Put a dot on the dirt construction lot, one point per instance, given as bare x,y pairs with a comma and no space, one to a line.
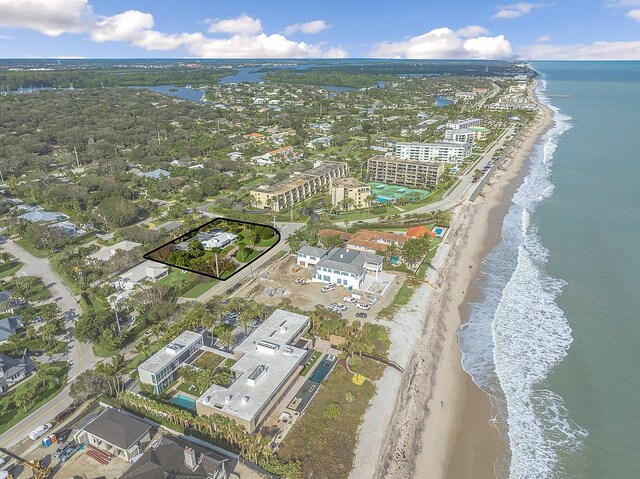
280,289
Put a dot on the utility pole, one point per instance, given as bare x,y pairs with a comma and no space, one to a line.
217,269
76,153
158,137
274,221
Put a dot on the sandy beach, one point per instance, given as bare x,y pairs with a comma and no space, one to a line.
435,421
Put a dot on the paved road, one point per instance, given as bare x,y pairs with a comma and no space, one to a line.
80,354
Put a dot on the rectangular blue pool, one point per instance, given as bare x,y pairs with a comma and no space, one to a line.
184,401
322,371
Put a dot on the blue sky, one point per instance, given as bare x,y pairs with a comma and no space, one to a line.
564,29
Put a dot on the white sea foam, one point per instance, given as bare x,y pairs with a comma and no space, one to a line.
517,333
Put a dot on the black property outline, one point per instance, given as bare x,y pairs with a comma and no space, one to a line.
191,233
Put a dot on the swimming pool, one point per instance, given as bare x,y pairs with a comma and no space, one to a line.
321,371
184,401
438,231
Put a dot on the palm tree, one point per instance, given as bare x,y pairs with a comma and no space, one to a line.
226,338
142,346
245,319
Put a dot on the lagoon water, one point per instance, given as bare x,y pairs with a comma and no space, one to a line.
554,337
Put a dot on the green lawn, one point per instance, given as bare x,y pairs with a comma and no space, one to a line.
31,249
11,270
103,352
325,437
11,415
250,257
208,360
280,254
75,289
268,242
200,289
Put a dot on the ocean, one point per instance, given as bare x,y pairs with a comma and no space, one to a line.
553,338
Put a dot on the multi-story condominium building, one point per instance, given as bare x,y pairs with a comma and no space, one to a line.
299,187
268,363
452,153
161,369
464,123
414,174
461,135
342,189
346,267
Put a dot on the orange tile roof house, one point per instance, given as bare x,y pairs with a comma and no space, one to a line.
371,240
419,232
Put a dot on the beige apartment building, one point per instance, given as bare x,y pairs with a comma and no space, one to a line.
414,174
349,188
299,186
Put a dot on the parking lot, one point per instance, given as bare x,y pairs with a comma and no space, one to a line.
281,289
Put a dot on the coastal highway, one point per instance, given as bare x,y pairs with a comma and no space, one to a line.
80,355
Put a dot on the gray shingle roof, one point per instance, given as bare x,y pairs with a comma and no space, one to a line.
313,251
166,461
117,428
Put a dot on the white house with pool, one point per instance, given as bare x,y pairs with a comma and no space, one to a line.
348,268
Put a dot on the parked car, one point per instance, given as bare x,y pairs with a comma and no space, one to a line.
364,306
233,288
68,453
340,306
39,431
349,299
327,288
373,300
361,315
62,449
65,414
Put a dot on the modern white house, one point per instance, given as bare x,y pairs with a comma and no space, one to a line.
127,282
346,267
161,369
268,363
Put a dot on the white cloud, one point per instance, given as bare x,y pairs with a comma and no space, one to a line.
446,43
634,14
314,26
258,46
472,31
51,17
584,51
543,38
621,3
244,36
516,10
242,25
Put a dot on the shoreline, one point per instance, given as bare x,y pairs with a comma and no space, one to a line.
436,421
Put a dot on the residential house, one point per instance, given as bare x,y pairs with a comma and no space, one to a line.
117,433
419,232
374,241
157,174
161,369
268,362
9,326
310,255
347,268
107,252
172,457
14,370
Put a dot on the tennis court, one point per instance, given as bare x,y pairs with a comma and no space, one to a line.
384,193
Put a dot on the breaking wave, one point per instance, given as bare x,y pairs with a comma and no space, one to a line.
517,333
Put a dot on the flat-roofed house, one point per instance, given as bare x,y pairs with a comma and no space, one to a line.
116,433
161,369
268,363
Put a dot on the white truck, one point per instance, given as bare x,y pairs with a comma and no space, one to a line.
39,431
